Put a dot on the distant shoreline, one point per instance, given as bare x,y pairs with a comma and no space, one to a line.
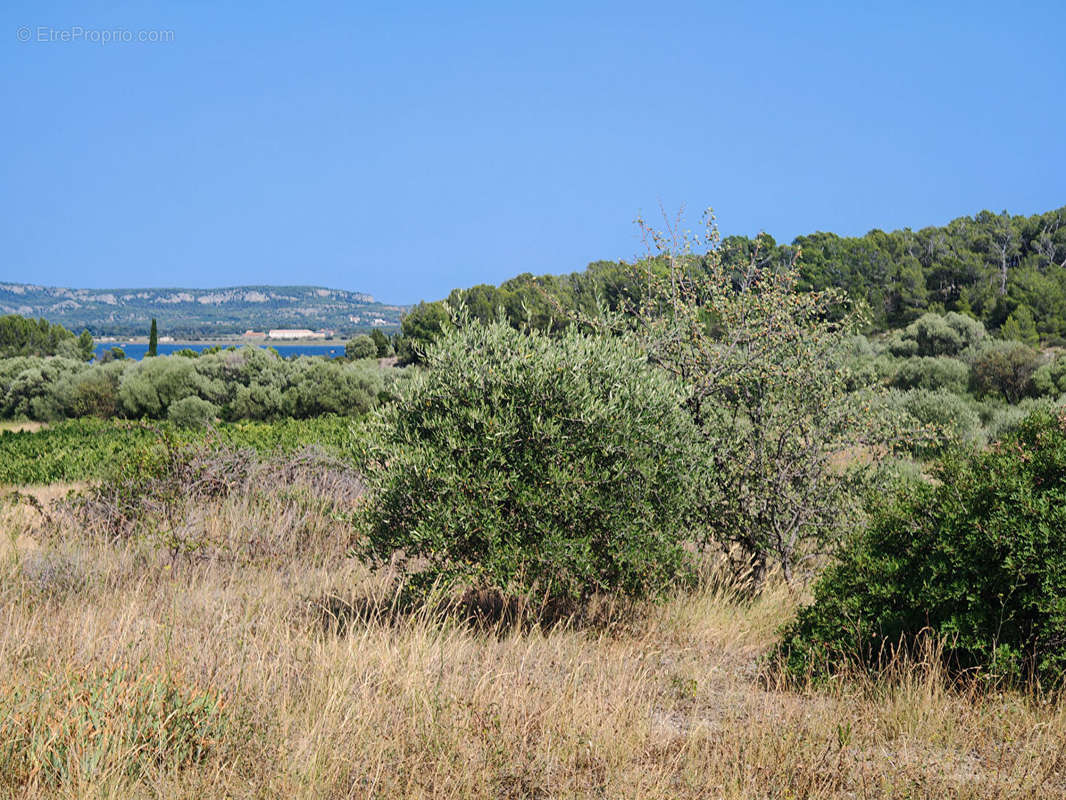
222,342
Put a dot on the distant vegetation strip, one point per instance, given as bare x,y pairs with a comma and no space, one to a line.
191,389
90,449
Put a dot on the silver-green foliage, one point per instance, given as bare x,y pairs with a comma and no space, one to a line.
245,383
149,387
936,335
555,467
932,373
192,412
361,346
952,419
1049,380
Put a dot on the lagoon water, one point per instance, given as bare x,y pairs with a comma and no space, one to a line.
137,351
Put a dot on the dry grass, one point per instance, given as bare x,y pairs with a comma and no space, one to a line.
669,705
24,425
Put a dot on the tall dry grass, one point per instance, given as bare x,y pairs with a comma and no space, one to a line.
21,425
668,702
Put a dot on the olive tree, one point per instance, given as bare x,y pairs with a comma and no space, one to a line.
361,346
548,467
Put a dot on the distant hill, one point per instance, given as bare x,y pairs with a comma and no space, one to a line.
197,313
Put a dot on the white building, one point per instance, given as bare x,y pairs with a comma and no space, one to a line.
294,333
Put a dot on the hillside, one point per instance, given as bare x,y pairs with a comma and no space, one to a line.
192,313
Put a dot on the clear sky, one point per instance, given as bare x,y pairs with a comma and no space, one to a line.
405,148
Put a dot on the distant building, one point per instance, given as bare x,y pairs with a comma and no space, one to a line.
294,333
254,334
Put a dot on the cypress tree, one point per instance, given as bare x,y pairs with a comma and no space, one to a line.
153,340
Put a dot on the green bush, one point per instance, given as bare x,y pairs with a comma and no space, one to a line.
92,392
1049,380
149,387
1004,369
951,418
319,387
192,412
1004,420
245,383
936,335
361,346
31,386
549,468
932,372
977,557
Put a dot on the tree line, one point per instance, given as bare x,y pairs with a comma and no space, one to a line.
1006,271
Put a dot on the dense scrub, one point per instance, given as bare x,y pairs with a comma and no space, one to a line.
975,558
773,394
236,384
968,387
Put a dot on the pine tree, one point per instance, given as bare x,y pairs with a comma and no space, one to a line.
381,341
153,340
85,345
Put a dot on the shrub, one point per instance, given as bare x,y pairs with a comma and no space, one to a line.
936,335
192,412
556,468
933,336
255,402
977,557
361,346
31,386
1004,369
952,419
149,387
1049,380
1002,421
928,372
92,392
327,387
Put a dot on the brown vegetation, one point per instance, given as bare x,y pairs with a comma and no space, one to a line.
671,704
21,425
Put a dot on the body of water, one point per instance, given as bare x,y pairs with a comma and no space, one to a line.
137,351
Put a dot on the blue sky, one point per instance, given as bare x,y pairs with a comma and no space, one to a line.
407,148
